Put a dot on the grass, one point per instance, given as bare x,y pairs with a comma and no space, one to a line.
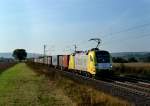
84,95
20,86
139,69
79,94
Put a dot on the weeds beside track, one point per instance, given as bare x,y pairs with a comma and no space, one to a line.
123,90
78,89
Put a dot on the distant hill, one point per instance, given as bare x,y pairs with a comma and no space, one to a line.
9,55
6,55
130,54
140,56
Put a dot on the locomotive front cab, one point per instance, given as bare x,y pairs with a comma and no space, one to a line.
103,62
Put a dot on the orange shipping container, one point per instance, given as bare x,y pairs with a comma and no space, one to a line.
64,61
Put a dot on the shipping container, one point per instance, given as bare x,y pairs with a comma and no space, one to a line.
49,60
81,61
45,60
66,61
36,60
63,61
60,58
41,60
55,61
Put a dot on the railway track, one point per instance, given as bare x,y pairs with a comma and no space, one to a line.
140,82
140,85
131,91
138,89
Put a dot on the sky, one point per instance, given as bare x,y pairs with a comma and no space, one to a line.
122,25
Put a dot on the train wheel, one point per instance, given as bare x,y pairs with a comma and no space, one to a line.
90,75
61,68
86,74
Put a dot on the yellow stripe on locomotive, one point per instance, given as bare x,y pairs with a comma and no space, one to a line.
71,62
91,67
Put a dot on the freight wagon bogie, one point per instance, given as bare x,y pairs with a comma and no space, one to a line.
86,74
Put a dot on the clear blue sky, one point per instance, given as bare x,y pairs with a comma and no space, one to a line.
123,25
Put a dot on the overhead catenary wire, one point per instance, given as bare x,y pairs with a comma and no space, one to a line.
131,28
137,38
111,37
126,30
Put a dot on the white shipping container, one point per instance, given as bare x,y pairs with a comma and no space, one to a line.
49,59
55,60
81,61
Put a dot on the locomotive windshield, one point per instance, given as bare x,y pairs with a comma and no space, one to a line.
102,57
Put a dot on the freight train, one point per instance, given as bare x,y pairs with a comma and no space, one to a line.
91,63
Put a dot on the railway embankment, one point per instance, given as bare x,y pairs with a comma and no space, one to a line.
78,90
6,65
30,85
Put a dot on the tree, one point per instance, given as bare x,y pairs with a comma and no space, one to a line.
147,58
132,59
20,54
119,60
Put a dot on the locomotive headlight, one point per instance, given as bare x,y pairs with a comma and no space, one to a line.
110,65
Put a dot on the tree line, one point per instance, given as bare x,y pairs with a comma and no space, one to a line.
130,60
21,54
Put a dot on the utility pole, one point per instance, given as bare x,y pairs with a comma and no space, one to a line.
44,50
44,54
75,48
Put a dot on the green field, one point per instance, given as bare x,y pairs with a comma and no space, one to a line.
23,86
